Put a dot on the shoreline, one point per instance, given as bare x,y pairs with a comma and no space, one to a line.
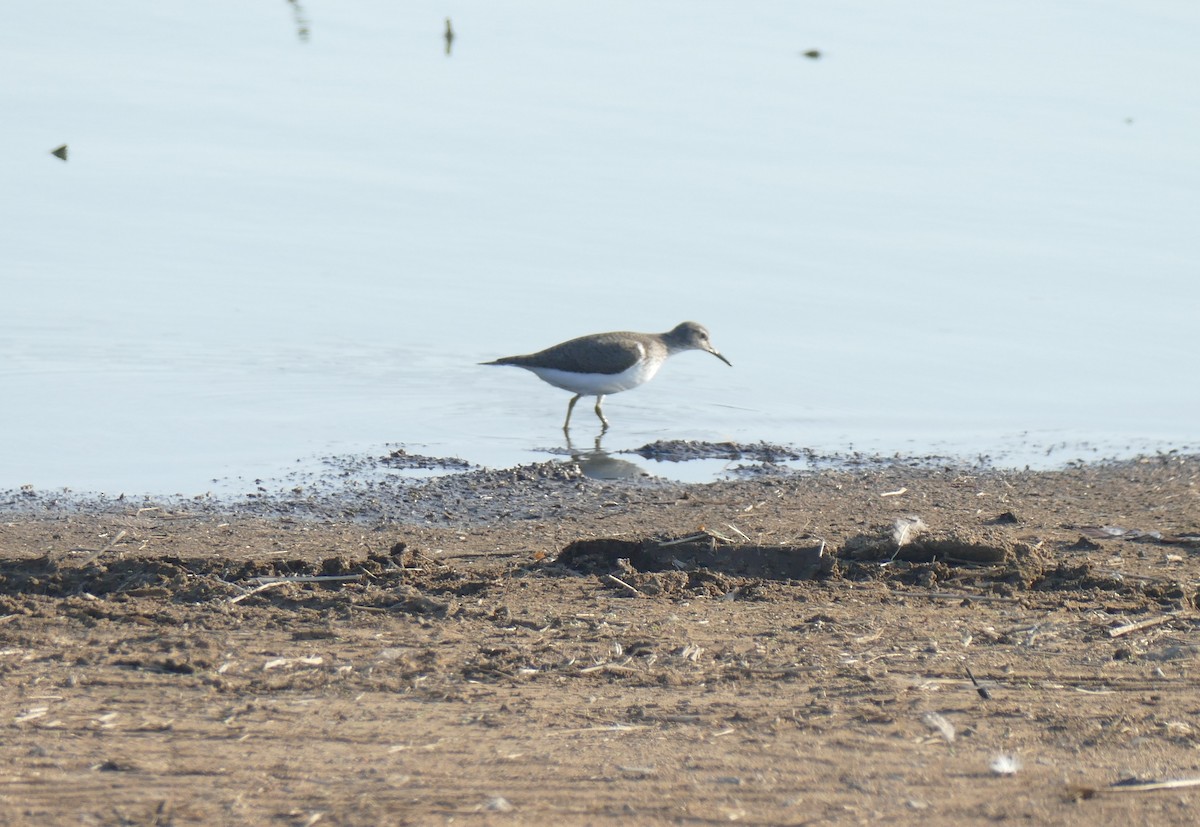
671,462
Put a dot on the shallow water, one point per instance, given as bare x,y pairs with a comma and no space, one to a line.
959,232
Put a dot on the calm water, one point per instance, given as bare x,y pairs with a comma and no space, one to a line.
292,230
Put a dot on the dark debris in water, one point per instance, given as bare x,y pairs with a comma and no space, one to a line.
771,457
400,458
678,450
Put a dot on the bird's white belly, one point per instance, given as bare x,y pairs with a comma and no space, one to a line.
598,384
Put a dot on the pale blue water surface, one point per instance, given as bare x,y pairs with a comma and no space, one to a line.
965,229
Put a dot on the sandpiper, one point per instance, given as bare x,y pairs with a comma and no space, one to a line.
605,363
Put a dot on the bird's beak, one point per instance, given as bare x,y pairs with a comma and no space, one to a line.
722,358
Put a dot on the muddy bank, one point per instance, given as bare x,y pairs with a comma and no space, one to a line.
890,641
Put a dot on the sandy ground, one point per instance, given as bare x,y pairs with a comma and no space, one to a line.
450,668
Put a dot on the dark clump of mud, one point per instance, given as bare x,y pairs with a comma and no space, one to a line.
678,450
976,562
403,580
696,553
400,458
909,539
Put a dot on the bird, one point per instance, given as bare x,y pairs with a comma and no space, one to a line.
606,363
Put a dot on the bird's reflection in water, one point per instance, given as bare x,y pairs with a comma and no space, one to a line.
598,464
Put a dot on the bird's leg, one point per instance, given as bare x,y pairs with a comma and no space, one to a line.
600,413
570,407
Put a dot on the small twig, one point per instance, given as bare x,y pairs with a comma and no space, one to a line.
1147,786
309,578
609,728
617,581
1146,578
712,533
895,493
261,588
987,598
605,667
265,583
680,540
120,535
740,533
1136,787
1141,624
